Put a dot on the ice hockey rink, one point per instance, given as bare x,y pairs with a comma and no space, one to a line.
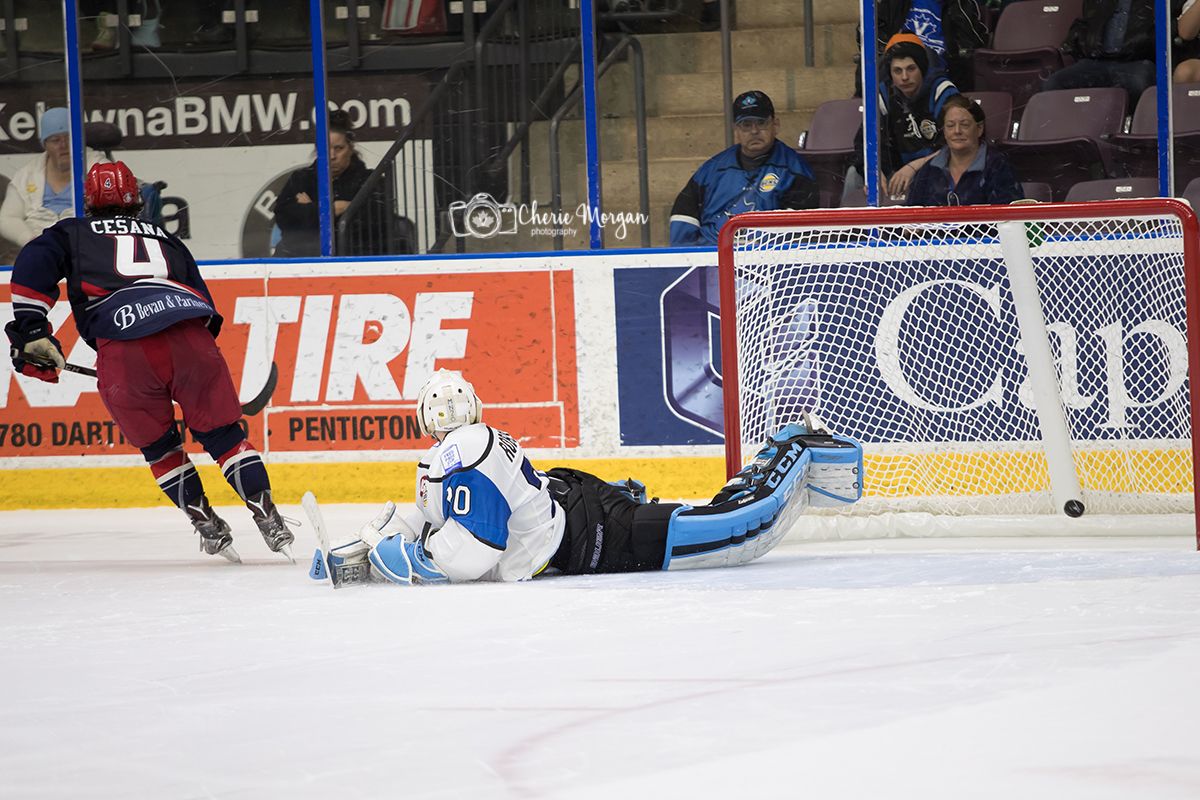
137,668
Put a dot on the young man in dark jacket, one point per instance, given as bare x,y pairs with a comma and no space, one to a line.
910,100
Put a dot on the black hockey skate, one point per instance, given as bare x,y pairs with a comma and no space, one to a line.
271,525
215,535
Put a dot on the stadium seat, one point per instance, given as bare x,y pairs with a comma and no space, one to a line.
1025,47
828,145
1191,193
858,199
1036,190
1062,137
1113,189
997,108
1135,154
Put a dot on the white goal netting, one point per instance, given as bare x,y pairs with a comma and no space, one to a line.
907,335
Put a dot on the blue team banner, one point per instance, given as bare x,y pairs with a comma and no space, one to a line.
668,355
932,358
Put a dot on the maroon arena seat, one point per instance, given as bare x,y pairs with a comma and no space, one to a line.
1136,153
1113,189
1191,193
1036,190
828,145
997,108
1062,137
1025,47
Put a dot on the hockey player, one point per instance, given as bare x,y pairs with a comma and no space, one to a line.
484,513
138,299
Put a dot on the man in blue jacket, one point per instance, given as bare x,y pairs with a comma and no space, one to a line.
758,173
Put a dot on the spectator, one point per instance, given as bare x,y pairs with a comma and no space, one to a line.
41,192
1113,44
965,171
758,173
1187,69
910,103
296,211
951,29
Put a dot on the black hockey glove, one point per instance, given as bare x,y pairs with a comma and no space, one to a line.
34,351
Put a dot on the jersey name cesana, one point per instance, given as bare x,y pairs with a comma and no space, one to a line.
126,278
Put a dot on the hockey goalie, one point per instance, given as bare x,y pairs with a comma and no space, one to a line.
482,511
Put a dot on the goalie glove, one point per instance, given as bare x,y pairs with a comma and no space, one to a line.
393,521
35,352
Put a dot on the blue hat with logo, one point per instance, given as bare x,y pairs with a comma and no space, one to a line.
752,105
55,121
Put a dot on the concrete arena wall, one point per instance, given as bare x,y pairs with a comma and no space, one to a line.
569,353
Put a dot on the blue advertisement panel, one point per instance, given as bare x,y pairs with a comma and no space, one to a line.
668,355
900,352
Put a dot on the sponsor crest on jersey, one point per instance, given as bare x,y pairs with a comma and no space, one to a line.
423,490
451,459
768,183
928,128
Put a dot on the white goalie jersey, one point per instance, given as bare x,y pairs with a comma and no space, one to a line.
490,511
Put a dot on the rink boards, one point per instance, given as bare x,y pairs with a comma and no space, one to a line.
351,341
605,362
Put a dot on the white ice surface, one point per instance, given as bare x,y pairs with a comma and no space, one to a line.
134,667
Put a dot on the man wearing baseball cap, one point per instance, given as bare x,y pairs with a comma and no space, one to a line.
41,192
758,173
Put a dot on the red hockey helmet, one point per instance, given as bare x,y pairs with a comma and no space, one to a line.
110,186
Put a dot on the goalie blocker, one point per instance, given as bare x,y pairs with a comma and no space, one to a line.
610,528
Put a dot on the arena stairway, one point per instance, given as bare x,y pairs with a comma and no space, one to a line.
685,124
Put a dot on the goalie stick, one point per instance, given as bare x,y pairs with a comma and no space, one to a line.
250,409
323,564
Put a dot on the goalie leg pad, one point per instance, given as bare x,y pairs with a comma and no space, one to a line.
404,562
835,478
757,507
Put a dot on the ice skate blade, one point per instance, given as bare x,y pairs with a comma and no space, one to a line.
286,552
231,555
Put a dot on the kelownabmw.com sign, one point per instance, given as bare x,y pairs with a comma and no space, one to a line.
925,351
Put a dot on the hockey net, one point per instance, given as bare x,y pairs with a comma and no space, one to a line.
993,361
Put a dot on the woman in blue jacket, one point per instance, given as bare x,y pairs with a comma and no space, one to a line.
965,171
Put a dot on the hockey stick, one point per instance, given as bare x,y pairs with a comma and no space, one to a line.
320,568
250,409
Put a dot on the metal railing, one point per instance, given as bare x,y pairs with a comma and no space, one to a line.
487,90
639,100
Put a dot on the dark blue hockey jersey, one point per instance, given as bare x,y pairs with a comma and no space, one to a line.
125,278
721,188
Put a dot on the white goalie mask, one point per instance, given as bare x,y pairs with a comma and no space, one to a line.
446,402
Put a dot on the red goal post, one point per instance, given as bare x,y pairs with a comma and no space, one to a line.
927,333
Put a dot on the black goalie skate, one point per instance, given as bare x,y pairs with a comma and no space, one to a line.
215,535
271,525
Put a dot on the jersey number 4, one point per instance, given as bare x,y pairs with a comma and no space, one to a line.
155,265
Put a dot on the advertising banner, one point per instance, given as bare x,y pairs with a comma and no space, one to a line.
668,355
944,352
350,352
225,148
